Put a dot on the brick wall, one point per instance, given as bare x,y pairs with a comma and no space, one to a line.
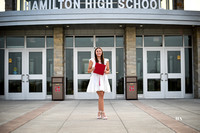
58,51
130,46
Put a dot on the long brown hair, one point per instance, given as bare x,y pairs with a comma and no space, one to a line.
102,57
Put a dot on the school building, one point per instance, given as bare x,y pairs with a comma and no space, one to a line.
156,40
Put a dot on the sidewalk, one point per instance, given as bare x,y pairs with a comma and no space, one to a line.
79,116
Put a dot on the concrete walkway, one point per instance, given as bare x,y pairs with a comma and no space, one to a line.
79,116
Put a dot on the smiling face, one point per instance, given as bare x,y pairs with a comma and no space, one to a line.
98,52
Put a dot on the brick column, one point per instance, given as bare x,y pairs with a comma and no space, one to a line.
58,51
10,5
130,51
196,61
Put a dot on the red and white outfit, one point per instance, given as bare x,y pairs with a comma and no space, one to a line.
98,82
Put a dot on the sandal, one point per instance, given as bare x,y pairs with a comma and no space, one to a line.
104,117
99,116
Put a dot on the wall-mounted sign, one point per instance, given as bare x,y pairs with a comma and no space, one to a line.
131,88
178,57
10,60
77,4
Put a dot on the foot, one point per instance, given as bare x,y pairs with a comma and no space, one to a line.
104,116
99,116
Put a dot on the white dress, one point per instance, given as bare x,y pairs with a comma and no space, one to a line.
98,82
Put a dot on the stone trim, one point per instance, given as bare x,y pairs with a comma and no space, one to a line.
196,62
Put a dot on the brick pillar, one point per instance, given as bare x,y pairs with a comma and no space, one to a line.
10,5
196,60
58,51
130,51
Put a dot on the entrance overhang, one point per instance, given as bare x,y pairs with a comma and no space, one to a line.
99,16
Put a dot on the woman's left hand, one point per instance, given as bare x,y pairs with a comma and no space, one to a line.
106,72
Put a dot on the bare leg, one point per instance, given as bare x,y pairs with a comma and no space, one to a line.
101,100
101,105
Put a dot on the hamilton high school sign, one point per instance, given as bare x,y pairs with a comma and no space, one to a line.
77,4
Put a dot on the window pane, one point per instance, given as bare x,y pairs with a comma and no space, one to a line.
1,72
1,42
153,61
84,41
35,63
188,71
15,86
35,42
138,41
174,84
110,83
69,41
104,41
153,41
49,70
69,72
173,41
139,66
120,70
82,85
83,62
119,41
35,85
15,63
15,42
188,40
108,55
50,41
174,61
154,85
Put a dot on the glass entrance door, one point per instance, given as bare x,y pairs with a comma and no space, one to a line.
153,73
82,77
15,87
35,74
26,74
163,73
174,73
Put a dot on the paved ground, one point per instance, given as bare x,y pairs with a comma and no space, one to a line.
79,116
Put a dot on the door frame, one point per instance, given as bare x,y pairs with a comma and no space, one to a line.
181,75
164,73
42,76
14,96
147,76
25,67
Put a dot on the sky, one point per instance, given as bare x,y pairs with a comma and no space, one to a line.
2,5
192,5
188,5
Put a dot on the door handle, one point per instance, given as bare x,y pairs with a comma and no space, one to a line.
161,76
27,78
22,77
167,77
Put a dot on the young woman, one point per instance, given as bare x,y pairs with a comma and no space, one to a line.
99,83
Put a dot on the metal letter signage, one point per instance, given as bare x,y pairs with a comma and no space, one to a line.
76,4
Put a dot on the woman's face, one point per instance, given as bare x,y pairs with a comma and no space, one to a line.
98,52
